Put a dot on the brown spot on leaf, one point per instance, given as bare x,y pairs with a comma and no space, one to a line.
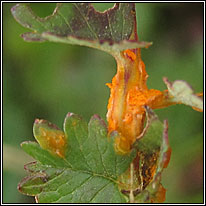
148,167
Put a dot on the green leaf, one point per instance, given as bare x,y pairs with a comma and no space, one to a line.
182,93
154,192
79,23
151,140
87,172
153,155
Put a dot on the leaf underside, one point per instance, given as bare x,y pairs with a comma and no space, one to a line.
181,92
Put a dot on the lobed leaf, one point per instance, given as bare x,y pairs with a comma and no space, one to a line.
87,173
81,24
43,156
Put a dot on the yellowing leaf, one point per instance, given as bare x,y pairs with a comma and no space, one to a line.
50,137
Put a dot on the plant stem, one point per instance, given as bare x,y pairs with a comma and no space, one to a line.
131,195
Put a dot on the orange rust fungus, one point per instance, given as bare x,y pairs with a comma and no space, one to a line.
122,146
160,195
54,141
195,108
200,94
128,95
167,157
130,54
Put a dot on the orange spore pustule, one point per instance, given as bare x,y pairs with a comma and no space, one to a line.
54,141
130,54
129,94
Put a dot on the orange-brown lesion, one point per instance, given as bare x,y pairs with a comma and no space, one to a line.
54,141
195,108
160,195
129,95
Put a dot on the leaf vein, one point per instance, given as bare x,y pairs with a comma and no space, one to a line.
44,184
98,191
123,22
80,148
50,160
110,28
101,156
91,30
66,21
87,179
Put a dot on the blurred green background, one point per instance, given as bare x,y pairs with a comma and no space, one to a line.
47,80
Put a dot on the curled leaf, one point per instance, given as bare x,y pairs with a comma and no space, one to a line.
181,92
153,155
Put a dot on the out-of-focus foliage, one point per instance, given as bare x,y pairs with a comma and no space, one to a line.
28,93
